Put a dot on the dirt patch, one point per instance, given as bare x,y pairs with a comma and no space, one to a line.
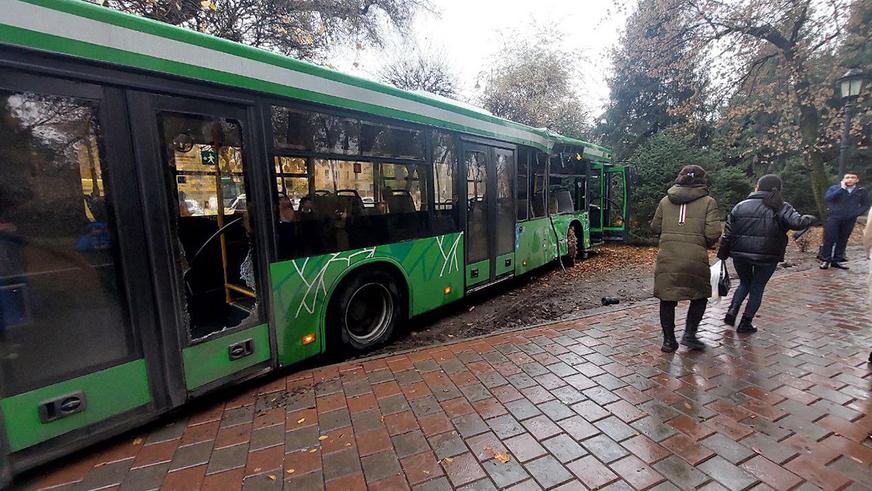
553,294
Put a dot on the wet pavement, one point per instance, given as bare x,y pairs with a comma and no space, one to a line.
585,404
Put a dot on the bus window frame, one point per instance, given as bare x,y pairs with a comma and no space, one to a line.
272,151
116,153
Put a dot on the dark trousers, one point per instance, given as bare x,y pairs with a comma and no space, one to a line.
694,315
752,282
837,231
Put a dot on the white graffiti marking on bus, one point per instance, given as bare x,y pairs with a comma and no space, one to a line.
450,262
310,298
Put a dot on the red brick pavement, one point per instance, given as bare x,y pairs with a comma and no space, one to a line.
585,404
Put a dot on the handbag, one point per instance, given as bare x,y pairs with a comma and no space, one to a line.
724,280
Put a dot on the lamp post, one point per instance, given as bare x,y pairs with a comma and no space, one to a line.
850,86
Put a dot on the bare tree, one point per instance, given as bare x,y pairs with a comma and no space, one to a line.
765,58
305,29
533,82
421,70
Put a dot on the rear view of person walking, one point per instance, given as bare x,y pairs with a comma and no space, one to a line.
755,236
688,223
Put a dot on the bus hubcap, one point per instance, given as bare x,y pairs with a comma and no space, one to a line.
369,313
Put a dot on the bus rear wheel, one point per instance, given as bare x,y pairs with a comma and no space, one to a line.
571,247
365,311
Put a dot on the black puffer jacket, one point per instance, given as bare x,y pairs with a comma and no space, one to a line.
755,232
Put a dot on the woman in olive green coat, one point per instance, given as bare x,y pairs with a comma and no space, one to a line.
688,222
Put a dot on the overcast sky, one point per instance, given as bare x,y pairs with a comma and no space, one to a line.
469,33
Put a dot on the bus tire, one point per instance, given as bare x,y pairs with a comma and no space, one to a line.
364,311
571,247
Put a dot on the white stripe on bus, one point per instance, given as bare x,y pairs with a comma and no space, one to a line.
35,18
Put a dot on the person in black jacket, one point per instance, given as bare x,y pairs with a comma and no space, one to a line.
846,202
755,236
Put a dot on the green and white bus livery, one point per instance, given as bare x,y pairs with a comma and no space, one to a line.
180,212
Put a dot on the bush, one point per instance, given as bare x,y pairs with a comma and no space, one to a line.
659,160
797,185
729,185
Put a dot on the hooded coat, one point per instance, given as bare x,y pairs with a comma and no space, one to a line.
688,222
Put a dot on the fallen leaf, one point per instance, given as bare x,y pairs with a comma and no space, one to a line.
447,460
322,438
502,457
137,441
291,471
271,477
313,450
688,406
257,469
301,421
348,444
755,449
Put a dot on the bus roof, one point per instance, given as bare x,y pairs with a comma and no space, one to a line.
85,30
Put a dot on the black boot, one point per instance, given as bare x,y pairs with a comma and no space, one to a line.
745,326
669,342
732,313
691,341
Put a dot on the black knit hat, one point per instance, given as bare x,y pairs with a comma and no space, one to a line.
769,182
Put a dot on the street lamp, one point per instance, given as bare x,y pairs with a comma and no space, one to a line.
850,86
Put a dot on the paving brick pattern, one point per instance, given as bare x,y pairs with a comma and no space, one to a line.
585,404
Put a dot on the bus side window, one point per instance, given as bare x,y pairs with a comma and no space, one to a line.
62,305
523,204
444,173
537,184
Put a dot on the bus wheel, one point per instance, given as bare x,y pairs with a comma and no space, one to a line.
571,247
365,311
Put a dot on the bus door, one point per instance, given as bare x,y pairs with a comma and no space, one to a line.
595,198
615,209
78,346
490,214
196,160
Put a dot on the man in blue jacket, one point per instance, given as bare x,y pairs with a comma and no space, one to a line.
845,202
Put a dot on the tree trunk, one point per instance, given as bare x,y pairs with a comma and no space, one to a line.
809,129
819,182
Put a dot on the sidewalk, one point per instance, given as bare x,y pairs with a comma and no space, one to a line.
585,404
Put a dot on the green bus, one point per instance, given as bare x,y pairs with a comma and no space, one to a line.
180,212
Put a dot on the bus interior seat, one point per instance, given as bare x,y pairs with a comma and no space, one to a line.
522,207
400,201
350,202
562,201
539,205
594,211
324,203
